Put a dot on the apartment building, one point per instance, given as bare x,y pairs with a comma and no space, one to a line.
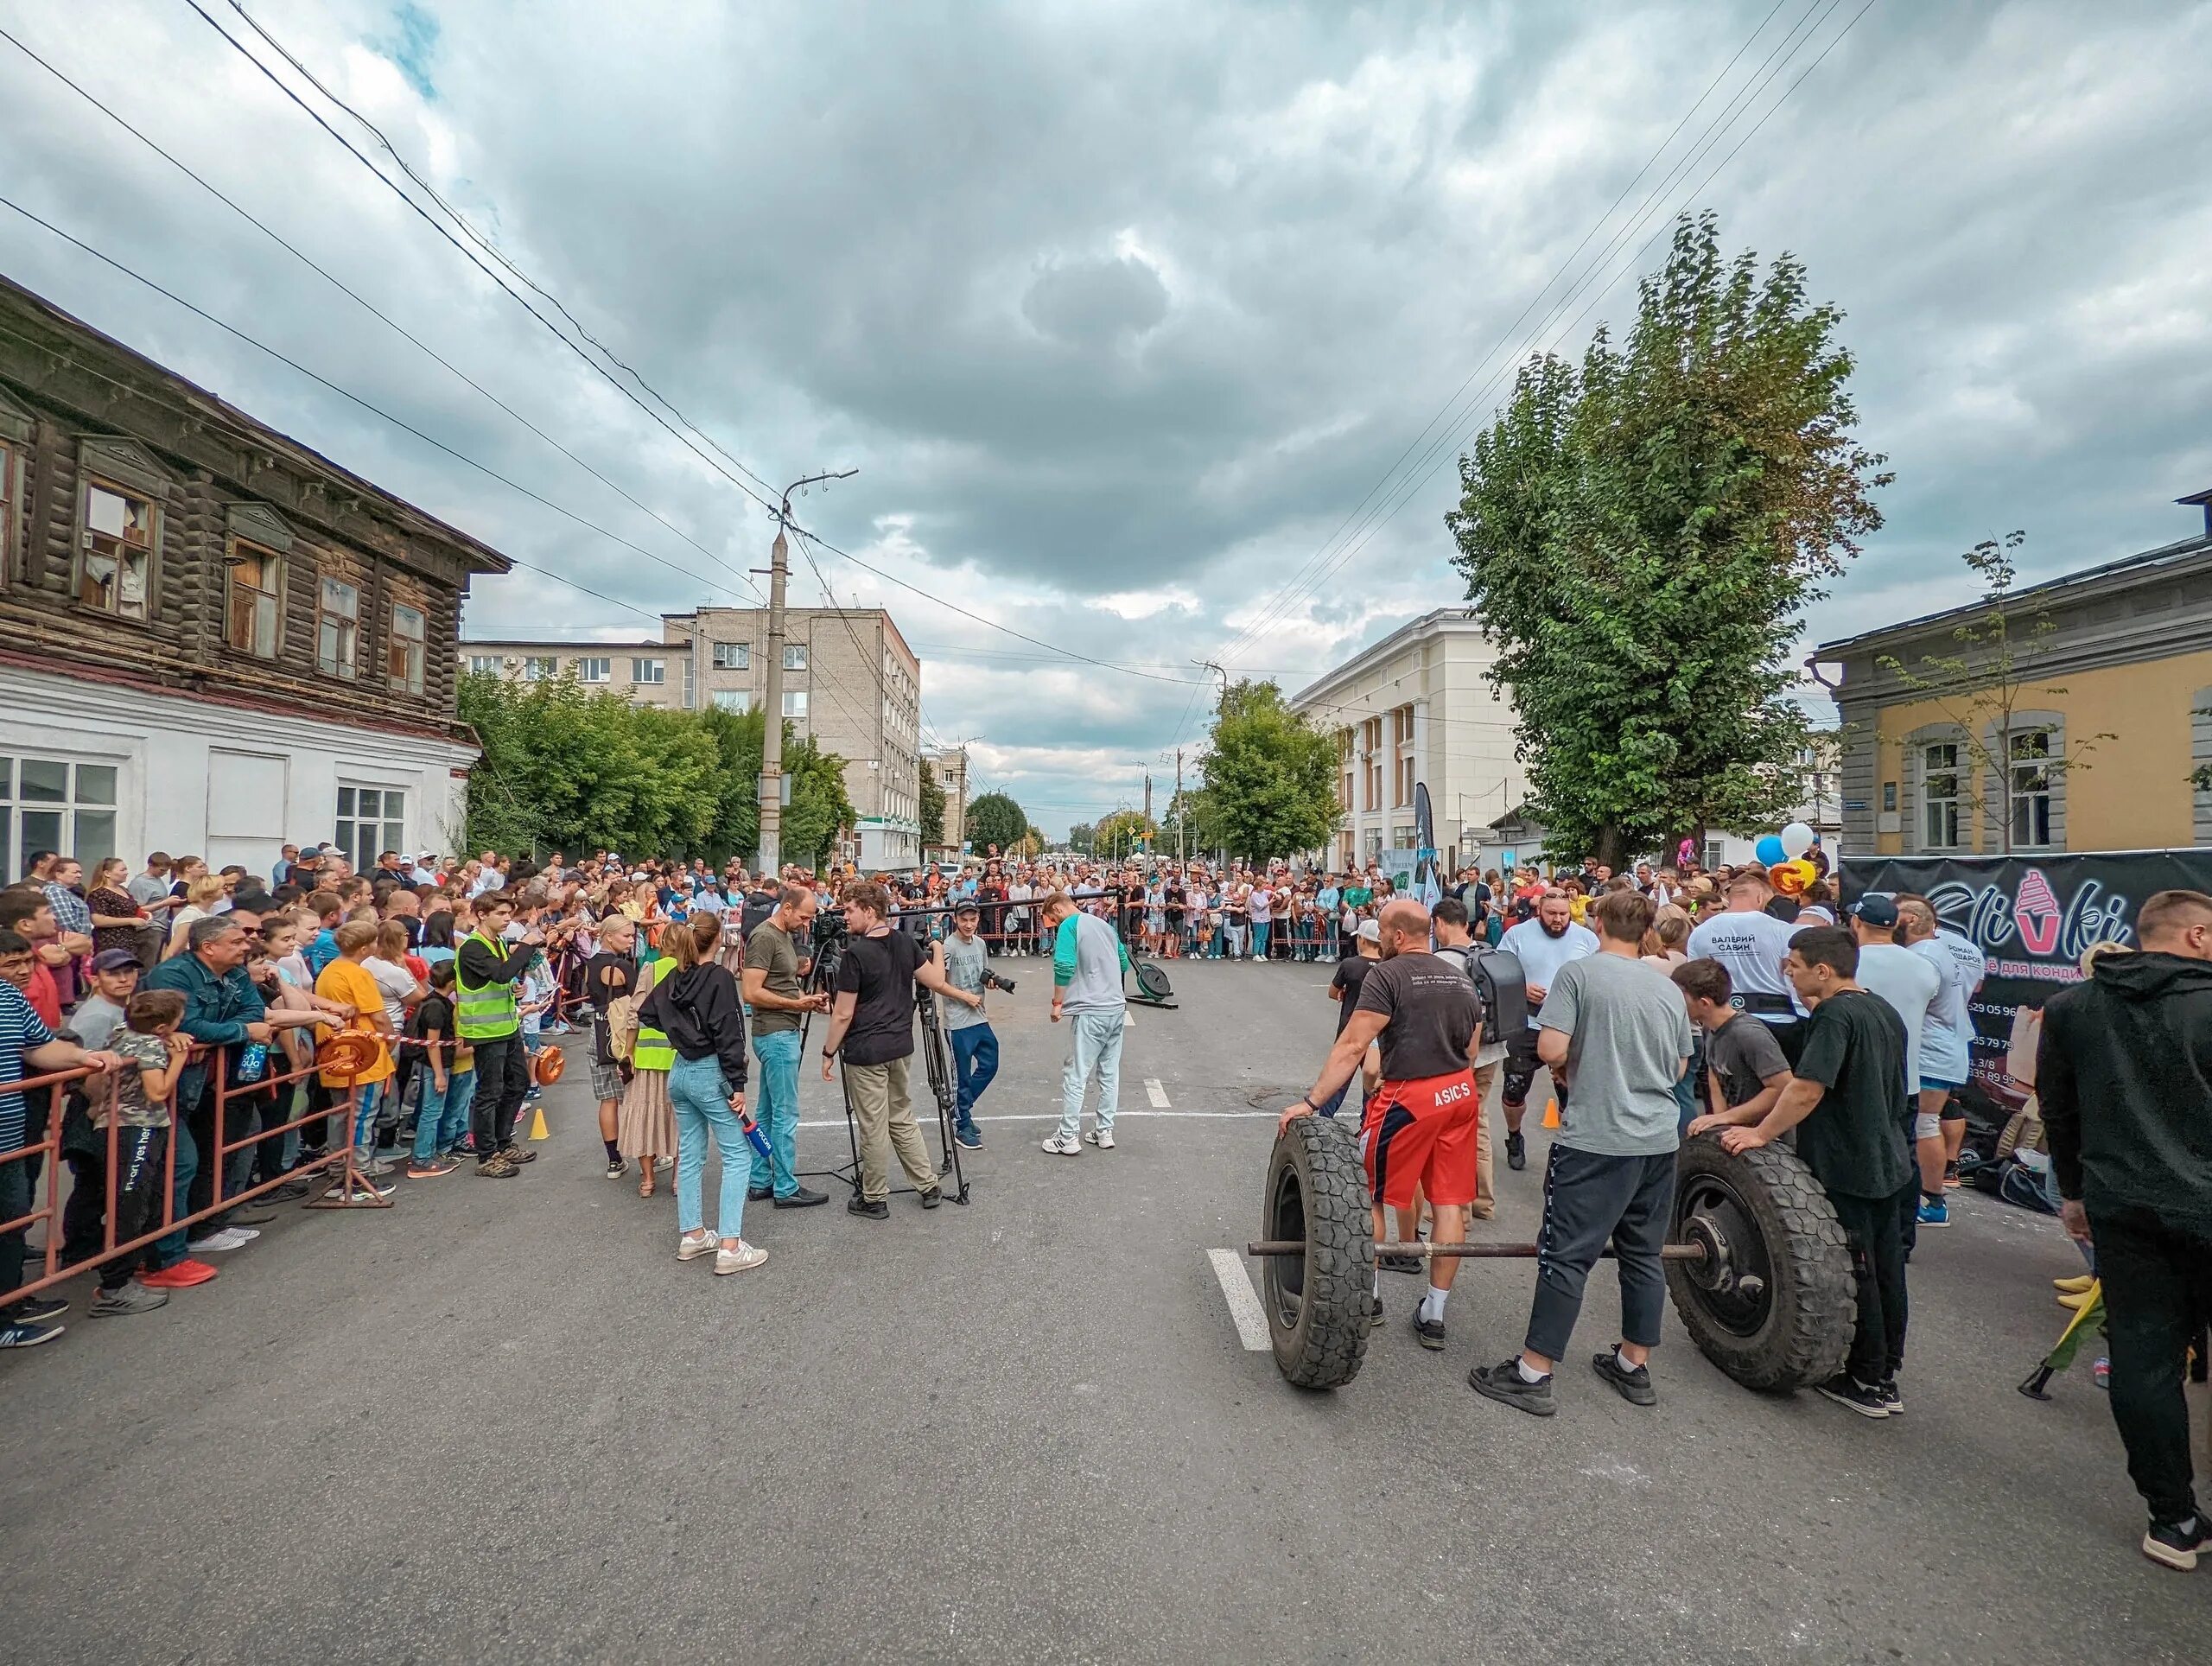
1417,709
951,767
850,683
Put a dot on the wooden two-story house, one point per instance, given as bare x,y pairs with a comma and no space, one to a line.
213,640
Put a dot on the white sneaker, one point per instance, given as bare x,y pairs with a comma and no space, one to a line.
1101,1137
736,1260
1060,1146
230,1237
691,1246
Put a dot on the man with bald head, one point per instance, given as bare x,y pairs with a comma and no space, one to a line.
1423,1015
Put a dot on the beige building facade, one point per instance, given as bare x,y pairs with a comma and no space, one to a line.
850,683
1417,710
951,767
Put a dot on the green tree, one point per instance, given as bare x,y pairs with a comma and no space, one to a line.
1982,685
1640,535
995,819
932,815
1079,836
1122,833
1269,777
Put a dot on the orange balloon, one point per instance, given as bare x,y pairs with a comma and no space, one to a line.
1791,878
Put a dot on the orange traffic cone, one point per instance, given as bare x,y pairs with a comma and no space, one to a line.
1551,1113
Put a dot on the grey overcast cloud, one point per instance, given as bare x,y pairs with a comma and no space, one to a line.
1123,309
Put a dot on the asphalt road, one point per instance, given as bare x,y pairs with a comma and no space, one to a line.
501,1422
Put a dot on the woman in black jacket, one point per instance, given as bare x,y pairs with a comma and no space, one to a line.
698,1009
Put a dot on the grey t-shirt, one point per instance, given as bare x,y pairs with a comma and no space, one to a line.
1743,1053
965,964
95,1022
1629,1034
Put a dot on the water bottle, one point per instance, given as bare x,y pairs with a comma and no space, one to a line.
254,1061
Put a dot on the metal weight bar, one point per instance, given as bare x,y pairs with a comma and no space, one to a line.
1464,1252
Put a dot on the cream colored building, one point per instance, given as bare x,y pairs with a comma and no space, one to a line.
951,767
1417,709
851,682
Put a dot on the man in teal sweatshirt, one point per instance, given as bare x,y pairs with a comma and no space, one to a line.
1088,960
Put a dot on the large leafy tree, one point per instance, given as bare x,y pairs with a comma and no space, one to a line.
1270,777
1122,832
995,819
932,806
1640,534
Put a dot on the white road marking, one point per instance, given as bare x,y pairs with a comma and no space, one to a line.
1243,1303
1119,1116
1156,1093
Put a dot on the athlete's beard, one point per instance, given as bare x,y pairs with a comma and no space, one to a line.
1549,930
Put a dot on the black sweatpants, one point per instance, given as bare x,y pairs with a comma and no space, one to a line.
502,1079
1588,1200
1875,1229
2158,1290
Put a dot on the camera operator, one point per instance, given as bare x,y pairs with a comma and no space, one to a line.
873,1024
778,954
964,959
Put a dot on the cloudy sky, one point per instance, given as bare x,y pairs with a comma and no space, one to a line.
1123,310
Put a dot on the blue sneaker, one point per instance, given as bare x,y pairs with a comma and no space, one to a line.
27,1333
1934,1212
970,1138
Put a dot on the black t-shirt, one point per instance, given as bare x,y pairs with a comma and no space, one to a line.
1351,973
879,972
1855,1141
1431,1010
1743,1053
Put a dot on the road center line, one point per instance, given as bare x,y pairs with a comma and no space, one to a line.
1244,1304
1156,1093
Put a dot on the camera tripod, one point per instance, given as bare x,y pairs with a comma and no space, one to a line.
937,1060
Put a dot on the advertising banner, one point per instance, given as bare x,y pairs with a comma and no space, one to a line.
2031,917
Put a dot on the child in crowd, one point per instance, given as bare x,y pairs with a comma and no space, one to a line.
153,1053
1745,1069
537,1000
446,1079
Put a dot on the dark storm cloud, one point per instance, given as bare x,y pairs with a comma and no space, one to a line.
1121,310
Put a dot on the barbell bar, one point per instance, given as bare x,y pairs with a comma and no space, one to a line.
1270,1247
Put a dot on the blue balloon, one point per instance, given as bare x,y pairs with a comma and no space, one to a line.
1769,851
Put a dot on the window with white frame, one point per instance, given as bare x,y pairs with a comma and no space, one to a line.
1939,795
115,564
2028,787
484,665
732,700
794,702
337,627
595,669
794,656
649,670
404,659
55,803
371,820
690,684
254,607
540,668
732,656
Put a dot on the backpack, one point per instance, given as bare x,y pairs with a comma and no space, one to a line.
1501,990
621,1017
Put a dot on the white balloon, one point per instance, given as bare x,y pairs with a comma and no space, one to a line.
1797,840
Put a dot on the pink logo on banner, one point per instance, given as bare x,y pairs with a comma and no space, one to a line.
2035,912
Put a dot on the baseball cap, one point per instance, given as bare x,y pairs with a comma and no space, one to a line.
114,960
1876,911
966,906
1370,931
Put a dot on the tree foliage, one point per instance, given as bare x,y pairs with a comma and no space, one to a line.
995,819
1079,836
1123,831
1640,534
1269,777
570,768
932,805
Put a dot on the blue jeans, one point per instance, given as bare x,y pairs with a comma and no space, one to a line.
441,1119
168,1249
1094,1044
700,1095
975,1063
366,1099
1259,930
775,1107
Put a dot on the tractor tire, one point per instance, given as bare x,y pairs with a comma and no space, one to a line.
1319,1305
1774,1302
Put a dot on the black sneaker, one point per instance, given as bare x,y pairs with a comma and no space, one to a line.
969,1139
254,1214
291,1192
1504,1383
932,1196
1635,1386
616,1167
1374,1318
802,1198
37,1310
2176,1544
1847,1390
1891,1397
1430,1331
1516,1151
759,1193
1399,1264
876,1208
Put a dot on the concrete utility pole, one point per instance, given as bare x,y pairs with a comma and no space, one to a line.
771,726
1182,812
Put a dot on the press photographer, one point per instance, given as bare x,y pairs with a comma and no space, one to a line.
872,1024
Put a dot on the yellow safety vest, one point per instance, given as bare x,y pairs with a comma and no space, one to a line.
653,1050
483,1012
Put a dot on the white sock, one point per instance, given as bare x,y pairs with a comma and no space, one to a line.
1431,1305
1521,1364
1621,1359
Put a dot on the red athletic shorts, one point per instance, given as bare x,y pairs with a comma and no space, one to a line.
1422,1133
